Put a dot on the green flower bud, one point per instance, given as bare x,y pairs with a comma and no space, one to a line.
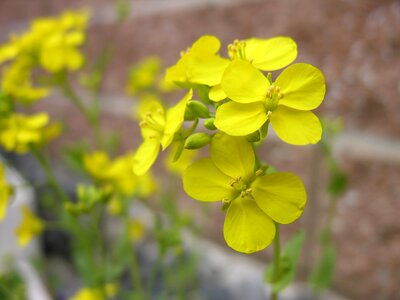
197,140
198,108
209,124
189,115
253,137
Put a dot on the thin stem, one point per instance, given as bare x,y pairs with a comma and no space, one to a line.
135,273
277,271
92,119
43,162
154,271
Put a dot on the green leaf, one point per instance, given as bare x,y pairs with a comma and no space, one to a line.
321,275
288,263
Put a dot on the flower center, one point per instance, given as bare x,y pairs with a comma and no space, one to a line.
272,98
237,50
239,185
153,121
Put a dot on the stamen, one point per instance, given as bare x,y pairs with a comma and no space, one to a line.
151,122
237,49
235,181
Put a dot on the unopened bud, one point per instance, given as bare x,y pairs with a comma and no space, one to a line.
197,140
189,114
253,137
198,108
209,124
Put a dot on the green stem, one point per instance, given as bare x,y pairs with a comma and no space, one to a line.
277,271
43,162
92,119
135,273
154,271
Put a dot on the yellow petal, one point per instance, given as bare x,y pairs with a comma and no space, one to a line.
233,155
271,54
303,86
145,156
206,70
247,228
296,127
206,45
177,72
243,83
216,93
239,119
203,181
174,120
36,121
280,195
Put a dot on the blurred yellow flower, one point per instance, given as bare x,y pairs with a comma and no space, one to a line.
136,230
144,75
118,174
16,82
29,227
110,289
18,131
5,192
87,294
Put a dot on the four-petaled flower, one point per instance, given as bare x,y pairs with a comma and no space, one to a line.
158,128
286,103
256,200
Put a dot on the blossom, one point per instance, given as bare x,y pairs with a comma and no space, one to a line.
18,131
87,294
158,128
144,75
29,227
5,192
200,64
286,103
265,54
255,200
118,174
17,83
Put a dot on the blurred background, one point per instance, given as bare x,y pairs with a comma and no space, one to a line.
356,44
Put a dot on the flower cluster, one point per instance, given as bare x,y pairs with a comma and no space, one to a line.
235,100
51,44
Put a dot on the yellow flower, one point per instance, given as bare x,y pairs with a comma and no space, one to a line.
265,54
200,64
87,294
53,42
17,83
29,227
18,131
158,129
136,230
118,174
255,199
144,105
5,192
144,75
110,289
286,103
